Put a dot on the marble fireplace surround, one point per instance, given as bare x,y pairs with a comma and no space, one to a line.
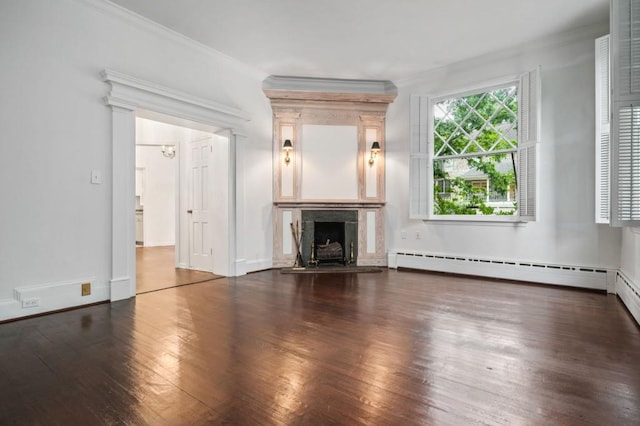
331,124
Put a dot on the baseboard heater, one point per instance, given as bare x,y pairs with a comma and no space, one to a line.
573,276
629,293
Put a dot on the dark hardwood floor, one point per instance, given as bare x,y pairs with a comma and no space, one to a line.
390,348
155,270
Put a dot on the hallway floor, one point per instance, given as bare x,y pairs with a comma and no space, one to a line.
155,270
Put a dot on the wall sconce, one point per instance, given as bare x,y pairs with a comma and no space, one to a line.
287,147
375,148
169,151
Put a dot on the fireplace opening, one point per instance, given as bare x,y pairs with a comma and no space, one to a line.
329,237
328,241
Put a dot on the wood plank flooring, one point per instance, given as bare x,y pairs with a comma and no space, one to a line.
391,348
155,270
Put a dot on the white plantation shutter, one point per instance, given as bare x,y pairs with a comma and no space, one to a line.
625,146
627,164
603,125
419,169
625,30
529,112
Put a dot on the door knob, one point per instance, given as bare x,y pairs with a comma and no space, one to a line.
189,211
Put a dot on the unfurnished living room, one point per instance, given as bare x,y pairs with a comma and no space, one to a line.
337,212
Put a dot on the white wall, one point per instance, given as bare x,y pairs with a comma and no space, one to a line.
565,232
56,129
159,208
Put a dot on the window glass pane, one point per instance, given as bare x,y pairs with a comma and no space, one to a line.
483,122
483,185
475,148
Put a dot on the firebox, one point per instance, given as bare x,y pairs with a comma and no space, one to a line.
329,237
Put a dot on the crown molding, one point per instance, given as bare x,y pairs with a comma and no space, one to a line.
133,93
334,85
329,89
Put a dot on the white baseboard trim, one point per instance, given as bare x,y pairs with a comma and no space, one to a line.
42,298
629,293
158,244
241,267
567,275
120,289
258,265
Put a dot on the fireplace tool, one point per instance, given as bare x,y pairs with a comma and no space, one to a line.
312,260
297,238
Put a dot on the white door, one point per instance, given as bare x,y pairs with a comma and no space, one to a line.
199,214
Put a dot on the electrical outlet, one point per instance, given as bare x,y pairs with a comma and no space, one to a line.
31,303
403,235
86,289
417,235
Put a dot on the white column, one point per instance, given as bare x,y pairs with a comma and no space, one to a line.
238,143
123,255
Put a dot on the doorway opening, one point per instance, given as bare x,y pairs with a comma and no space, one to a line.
130,97
167,177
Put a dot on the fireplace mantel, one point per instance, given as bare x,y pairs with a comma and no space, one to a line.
326,205
331,125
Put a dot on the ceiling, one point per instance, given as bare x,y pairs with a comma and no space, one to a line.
365,39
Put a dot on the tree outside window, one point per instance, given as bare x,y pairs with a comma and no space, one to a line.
475,147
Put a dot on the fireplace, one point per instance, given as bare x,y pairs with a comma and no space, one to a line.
329,237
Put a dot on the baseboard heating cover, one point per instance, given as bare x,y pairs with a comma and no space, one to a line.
573,276
629,293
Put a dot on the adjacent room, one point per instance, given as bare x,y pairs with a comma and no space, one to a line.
286,212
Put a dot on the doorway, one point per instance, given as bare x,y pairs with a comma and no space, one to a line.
159,196
130,97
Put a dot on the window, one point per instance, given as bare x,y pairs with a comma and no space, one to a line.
473,155
475,142
625,105
618,118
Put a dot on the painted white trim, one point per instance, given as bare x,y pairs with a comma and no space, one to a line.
51,297
121,288
334,85
629,293
241,267
133,93
566,275
259,265
159,243
392,260
126,96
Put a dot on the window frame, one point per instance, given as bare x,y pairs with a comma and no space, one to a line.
422,153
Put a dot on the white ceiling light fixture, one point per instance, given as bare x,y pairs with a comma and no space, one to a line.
169,151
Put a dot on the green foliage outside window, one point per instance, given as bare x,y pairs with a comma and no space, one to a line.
475,148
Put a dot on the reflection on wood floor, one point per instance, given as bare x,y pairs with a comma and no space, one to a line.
155,270
392,348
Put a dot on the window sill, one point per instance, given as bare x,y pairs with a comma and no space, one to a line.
477,220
